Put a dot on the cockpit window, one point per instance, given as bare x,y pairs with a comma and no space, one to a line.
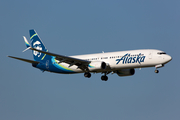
160,53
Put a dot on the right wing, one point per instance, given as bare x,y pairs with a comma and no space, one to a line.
82,64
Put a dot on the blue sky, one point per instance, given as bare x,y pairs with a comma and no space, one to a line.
70,27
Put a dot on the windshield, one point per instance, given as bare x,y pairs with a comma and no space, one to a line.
160,53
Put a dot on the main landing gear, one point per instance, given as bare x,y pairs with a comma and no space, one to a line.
103,78
87,74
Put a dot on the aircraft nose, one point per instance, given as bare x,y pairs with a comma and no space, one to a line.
169,58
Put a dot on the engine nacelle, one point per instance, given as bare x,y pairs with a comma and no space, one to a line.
34,64
125,72
97,65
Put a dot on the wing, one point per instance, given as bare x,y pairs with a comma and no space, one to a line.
25,60
82,64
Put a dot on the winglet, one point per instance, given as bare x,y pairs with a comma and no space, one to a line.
27,44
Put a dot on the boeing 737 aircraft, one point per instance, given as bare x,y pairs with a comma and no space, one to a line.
122,63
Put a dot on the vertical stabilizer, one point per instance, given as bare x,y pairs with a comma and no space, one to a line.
37,44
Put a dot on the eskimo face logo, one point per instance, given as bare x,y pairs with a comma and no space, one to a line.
37,45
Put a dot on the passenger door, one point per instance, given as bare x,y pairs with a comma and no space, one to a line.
150,55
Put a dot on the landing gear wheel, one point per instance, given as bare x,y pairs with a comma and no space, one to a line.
156,71
104,78
87,74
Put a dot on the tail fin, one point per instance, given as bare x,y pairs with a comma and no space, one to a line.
37,44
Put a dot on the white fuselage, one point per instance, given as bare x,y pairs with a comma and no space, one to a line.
124,59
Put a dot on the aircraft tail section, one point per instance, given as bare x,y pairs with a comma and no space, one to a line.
39,45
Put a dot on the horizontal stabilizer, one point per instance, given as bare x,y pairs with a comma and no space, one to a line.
25,60
26,49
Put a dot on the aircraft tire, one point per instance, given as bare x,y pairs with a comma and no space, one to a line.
156,71
87,74
104,78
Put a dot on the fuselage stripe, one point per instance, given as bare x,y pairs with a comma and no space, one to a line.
62,66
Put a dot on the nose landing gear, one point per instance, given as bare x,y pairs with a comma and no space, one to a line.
156,71
158,66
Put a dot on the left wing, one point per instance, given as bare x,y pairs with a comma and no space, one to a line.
25,60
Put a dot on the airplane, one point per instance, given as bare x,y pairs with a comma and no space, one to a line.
123,63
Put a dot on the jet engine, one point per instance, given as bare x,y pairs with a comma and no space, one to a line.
97,65
34,64
125,72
